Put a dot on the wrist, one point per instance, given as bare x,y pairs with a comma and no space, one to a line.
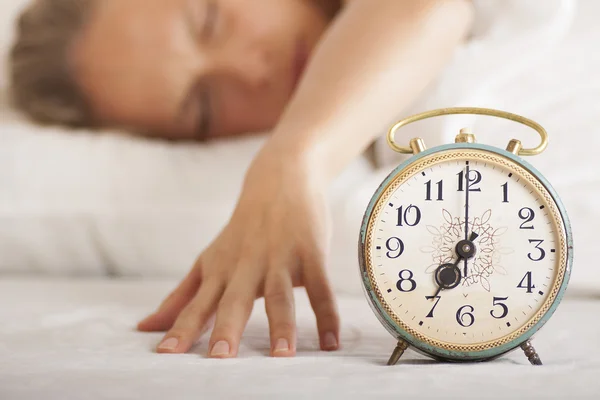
291,157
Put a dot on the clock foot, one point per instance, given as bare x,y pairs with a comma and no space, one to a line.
398,352
531,354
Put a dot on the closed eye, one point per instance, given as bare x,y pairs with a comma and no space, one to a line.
205,121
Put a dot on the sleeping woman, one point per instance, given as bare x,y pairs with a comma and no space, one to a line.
323,77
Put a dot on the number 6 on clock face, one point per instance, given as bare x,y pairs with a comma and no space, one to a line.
465,252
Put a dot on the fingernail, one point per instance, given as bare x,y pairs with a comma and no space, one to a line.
220,349
281,345
169,344
329,341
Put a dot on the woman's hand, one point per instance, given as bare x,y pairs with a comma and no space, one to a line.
276,239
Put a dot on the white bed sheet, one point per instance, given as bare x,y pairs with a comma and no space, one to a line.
76,340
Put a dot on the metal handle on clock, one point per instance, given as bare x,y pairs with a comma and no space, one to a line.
470,110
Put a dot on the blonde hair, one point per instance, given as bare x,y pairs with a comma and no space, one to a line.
43,83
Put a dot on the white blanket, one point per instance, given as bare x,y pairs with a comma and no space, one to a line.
75,340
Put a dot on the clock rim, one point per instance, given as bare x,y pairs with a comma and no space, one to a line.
490,351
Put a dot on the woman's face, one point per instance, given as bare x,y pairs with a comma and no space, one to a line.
195,69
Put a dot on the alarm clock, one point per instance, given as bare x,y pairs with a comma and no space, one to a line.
465,249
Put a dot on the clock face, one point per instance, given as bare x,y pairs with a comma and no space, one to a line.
466,250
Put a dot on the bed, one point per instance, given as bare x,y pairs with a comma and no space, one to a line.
75,339
85,252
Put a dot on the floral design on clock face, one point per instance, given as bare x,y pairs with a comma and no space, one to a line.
464,251
488,259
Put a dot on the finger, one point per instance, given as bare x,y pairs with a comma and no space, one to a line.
279,305
192,322
323,304
233,313
165,316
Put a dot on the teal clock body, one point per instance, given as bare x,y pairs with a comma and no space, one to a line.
465,252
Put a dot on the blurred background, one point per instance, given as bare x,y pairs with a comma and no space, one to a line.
79,203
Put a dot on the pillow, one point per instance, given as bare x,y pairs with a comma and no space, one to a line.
83,203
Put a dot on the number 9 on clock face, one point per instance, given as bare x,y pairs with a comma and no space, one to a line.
464,252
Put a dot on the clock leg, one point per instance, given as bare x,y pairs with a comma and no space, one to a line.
531,354
398,352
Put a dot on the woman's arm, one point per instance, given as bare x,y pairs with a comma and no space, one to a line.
373,62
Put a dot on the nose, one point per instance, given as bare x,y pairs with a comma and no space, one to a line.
250,63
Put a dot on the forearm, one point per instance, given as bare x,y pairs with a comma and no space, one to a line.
361,79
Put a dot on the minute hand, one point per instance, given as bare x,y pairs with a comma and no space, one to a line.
468,184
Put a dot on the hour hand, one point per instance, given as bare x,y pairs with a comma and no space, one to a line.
449,276
465,249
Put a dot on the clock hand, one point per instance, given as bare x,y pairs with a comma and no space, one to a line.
473,236
448,276
467,186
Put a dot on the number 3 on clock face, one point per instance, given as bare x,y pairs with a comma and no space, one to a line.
502,289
